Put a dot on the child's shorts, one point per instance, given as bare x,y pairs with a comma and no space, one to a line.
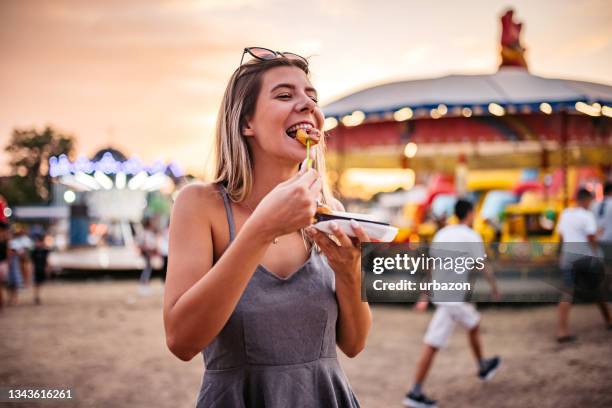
443,322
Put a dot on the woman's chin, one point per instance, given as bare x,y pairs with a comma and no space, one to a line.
296,155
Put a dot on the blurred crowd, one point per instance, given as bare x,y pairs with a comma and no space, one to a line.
23,263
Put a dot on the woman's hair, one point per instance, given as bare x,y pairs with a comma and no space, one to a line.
233,159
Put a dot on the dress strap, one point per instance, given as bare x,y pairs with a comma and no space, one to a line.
228,211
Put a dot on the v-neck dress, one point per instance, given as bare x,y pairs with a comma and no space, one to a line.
278,348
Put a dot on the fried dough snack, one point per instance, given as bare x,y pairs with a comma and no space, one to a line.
323,209
304,137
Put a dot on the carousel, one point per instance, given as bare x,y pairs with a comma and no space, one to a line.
400,134
106,198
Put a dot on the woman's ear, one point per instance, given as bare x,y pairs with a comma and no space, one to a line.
247,130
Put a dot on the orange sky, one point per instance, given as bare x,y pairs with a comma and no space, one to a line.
147,76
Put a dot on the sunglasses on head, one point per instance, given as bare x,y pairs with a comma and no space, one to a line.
264,54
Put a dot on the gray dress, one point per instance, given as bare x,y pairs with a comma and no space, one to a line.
278,348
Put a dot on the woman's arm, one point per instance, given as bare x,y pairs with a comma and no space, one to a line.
199,297
354,316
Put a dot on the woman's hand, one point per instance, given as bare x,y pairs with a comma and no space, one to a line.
291,205
344,257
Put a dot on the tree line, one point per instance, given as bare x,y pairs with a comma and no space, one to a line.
28,181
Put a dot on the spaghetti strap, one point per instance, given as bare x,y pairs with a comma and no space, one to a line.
228,211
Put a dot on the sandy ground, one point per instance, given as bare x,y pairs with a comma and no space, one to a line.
107,343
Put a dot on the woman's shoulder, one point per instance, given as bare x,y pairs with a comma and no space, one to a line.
198,191
196,196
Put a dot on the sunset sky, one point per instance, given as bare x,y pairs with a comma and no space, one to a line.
147,76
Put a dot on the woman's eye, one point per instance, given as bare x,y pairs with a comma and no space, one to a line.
314,98
284,96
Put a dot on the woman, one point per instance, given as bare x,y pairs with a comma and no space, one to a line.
245,285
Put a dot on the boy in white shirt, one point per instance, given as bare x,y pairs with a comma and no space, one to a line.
452,309
577,228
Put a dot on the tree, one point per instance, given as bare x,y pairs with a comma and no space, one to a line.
29,150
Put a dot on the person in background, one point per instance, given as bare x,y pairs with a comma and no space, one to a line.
148,248
163,251
14,278
603,217
461,239
4,241
39,255
22,245
577,228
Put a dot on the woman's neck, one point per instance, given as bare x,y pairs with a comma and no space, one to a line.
268,172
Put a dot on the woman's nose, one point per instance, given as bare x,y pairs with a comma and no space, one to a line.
306,105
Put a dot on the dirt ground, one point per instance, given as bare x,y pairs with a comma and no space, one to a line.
107,343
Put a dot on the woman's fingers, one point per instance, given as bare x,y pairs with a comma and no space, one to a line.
344,240
316,187
304,176
322,240
359,232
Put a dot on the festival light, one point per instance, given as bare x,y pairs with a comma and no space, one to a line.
546,108
435,114
330,123
410,150
372,180
154,182
466,112
606,111
442,109
103,180
354,119
138,180
87,181
73,183
587,109
120,180
175,169
403,114
62,166
69,196
107,164
496,109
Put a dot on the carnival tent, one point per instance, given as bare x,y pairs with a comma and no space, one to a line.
514,89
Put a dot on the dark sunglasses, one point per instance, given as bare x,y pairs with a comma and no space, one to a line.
264,54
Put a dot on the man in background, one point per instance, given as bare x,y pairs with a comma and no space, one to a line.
39,255
453,309
577,228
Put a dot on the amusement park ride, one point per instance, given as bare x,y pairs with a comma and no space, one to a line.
477,135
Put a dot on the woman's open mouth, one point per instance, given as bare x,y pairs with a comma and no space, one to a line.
292,131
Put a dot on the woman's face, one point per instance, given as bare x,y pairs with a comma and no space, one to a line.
286,98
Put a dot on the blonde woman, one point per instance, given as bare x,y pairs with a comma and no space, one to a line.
246,285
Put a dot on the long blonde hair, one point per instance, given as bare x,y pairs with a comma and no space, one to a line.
233,158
